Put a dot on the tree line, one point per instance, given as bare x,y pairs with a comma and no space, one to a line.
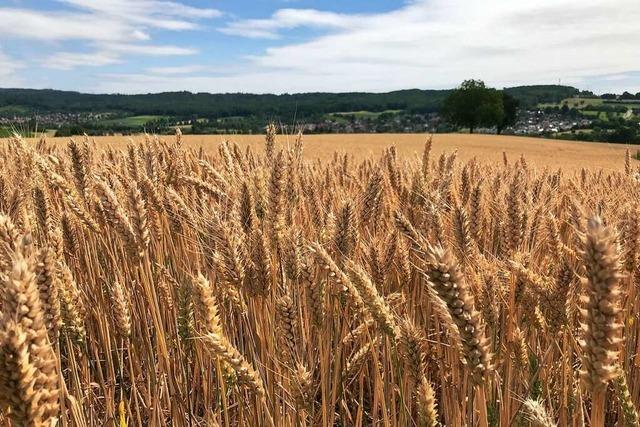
283,107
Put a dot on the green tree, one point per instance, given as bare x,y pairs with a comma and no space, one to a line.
70,130
473,105
510,107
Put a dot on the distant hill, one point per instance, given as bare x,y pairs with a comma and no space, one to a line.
302,105
530,96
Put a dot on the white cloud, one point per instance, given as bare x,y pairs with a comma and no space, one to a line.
70,60
10,71
167,15
142,7
149,50
112,28
252,82
59,26
102,20
289,19
424,43
439,43
169,71
111,55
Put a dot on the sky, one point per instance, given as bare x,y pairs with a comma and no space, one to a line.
287,46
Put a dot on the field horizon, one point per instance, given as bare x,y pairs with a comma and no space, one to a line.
540,152
402,281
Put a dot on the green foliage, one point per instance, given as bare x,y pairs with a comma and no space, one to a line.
613,130
283,107
132,121
510,106
530,96
243,113
225,105
26,130
493,415
365,114
70,130
473,105
12,110
536,388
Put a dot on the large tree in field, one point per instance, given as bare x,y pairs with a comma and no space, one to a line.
473,105
510,107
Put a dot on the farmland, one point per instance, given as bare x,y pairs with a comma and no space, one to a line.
331,280
487,148
131,121
583,102
598,108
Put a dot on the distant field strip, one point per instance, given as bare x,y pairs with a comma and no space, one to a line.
132,121
538,151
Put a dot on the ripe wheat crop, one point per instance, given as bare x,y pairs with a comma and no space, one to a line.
159,285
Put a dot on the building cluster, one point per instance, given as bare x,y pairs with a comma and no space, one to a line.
383,123
530,122
49,120
538,122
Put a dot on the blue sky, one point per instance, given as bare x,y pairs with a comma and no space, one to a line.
277,46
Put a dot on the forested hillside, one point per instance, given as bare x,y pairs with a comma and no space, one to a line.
240,104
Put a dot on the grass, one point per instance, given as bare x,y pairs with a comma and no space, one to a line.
6,132
341,117
602,115
13,110
365,114
131,121
155,283
580,103
576,132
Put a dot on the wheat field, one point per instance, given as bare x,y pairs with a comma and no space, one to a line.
553,153
158,283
